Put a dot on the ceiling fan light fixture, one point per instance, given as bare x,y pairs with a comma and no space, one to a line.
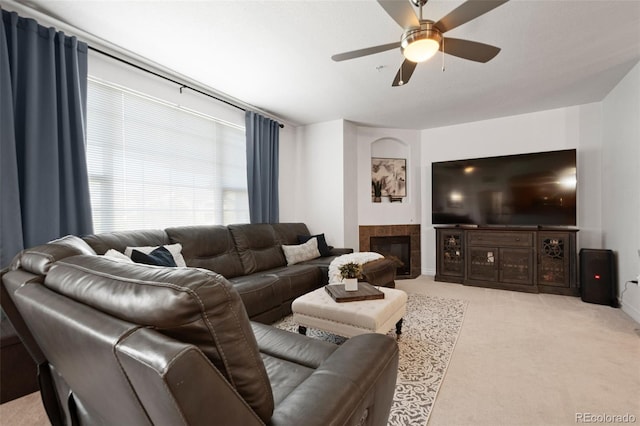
421,43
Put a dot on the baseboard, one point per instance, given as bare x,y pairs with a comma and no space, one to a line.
632,311
431,272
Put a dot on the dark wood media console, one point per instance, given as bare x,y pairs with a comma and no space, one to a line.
535,260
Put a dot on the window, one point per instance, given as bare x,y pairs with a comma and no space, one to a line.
154,165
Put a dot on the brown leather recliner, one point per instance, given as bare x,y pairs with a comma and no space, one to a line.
137,344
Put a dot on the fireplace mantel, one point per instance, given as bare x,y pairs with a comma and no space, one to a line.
412,231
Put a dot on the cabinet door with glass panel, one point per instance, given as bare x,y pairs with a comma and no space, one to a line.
450,255
554,255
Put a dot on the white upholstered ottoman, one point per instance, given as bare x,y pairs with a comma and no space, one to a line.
318,310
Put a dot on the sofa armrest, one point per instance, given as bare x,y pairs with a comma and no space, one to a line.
176,383
340,251
355,385
380,272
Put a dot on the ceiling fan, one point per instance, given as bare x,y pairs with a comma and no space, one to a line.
422,38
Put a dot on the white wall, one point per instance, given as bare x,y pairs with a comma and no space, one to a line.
565,128
621,184
351,190
312,180
392,143
586,120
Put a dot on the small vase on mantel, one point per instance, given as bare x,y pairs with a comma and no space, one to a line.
350,284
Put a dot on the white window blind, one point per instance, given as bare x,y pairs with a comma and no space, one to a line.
154,165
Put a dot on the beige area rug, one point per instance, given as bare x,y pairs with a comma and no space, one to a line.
429,334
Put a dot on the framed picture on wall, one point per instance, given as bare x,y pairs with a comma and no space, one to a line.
389,177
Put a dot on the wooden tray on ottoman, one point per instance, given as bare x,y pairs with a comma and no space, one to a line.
365,292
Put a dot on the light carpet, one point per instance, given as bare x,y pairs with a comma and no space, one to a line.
429,334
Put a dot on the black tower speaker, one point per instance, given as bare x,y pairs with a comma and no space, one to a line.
598,281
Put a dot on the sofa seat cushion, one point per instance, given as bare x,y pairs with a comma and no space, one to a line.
258,292
296,280
191,305
292,347
322,263
357,381
284,376
289,358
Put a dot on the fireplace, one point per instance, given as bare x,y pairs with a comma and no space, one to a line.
400,241
397,248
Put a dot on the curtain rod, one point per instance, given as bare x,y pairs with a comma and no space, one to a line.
182,85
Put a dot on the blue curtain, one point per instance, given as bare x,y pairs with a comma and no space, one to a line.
262,167
43,171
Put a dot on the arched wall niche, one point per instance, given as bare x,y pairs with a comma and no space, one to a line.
387,147
390,148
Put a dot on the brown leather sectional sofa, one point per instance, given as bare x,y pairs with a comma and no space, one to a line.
136,344
251,258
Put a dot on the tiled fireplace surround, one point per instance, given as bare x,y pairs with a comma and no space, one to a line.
412,231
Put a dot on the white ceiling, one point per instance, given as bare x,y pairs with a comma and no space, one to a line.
276,55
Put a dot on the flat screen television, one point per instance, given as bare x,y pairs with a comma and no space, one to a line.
537,189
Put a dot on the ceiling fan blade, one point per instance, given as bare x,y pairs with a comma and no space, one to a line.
467,12
404,73
364,52
401,11
471,50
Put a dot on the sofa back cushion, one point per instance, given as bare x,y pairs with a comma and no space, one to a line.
209,247
191,305
287,233
258,246
121,240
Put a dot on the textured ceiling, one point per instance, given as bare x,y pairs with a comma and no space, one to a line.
276,55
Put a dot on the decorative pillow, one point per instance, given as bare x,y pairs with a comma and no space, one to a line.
302,252
174,249
117,256
159,257
323,248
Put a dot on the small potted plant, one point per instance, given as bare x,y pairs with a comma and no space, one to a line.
350,272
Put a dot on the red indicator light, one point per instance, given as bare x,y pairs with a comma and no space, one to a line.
596,276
